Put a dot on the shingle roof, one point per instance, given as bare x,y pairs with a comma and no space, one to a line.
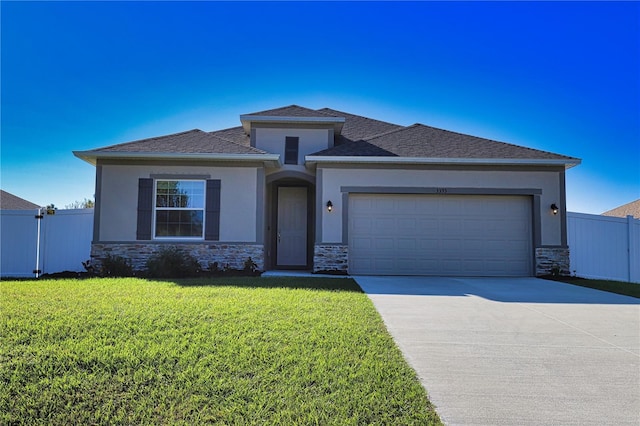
423,141
356,149
629,209
359,136
193,141
290,111
357,127
9,201
234,134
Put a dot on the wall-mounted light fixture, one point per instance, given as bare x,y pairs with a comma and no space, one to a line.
329,206
554,208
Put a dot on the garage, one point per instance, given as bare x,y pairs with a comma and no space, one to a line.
445,235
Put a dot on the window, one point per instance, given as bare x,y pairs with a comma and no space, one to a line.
179,208
291,150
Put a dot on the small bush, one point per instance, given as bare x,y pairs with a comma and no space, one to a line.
250,267
172,262
116,266
110,266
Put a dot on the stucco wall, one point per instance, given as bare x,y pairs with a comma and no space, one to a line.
549,182
118,199
310,141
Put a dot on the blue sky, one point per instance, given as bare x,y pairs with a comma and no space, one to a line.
557,76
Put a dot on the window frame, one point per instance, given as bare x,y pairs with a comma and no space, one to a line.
290,150
203,209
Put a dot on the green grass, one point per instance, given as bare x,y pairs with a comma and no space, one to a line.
227,351
619,287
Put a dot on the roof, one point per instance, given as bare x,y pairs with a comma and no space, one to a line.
357,138
629,209
291,111
9,201
423,141
292,114
192,141
190,145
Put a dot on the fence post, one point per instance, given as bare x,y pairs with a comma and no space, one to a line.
631,250
39,216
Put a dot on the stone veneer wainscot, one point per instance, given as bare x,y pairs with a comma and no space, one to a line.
550,260
331,258
232,256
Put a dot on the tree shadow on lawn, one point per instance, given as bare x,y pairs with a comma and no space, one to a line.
308,283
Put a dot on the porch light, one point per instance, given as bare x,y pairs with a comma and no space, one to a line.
329,206
554,208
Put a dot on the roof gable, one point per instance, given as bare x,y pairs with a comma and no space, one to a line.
290,111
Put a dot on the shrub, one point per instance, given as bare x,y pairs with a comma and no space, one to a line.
250,267
172,262
116,266
110,266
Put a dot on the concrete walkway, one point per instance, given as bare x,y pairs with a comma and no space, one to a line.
516,351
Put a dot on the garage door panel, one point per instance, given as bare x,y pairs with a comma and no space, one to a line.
362,243
362,224
440,235
384,243
407,244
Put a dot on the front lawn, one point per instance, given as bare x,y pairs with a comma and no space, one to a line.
619,287
226,351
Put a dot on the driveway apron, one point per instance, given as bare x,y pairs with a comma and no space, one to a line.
516,351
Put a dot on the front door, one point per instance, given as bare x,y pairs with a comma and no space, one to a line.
292,226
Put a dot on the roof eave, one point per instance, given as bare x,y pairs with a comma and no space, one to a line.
567,163
338,122
91,157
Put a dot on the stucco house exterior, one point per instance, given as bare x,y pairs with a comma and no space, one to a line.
326,190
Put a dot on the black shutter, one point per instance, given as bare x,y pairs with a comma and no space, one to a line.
291,150
212,218
145,209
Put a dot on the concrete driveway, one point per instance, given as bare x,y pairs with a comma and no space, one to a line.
516,351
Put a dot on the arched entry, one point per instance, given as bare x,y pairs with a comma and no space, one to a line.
290,220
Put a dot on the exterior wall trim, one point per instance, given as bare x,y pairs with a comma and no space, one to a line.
291,174
260,207
178,176
452,167
563,208
98,203
319,207
438,190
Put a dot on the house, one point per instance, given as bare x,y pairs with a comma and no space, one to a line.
326,190
9,201
629,209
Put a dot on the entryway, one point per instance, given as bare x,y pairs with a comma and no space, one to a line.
291,231
290,221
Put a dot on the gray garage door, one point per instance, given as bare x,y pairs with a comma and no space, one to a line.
464,235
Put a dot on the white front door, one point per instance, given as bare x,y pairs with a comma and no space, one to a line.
292,226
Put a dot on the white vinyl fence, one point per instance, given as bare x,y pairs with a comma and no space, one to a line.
61,242
604,247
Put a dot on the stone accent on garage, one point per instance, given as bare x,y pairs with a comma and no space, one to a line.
552,261
231,256
331,258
